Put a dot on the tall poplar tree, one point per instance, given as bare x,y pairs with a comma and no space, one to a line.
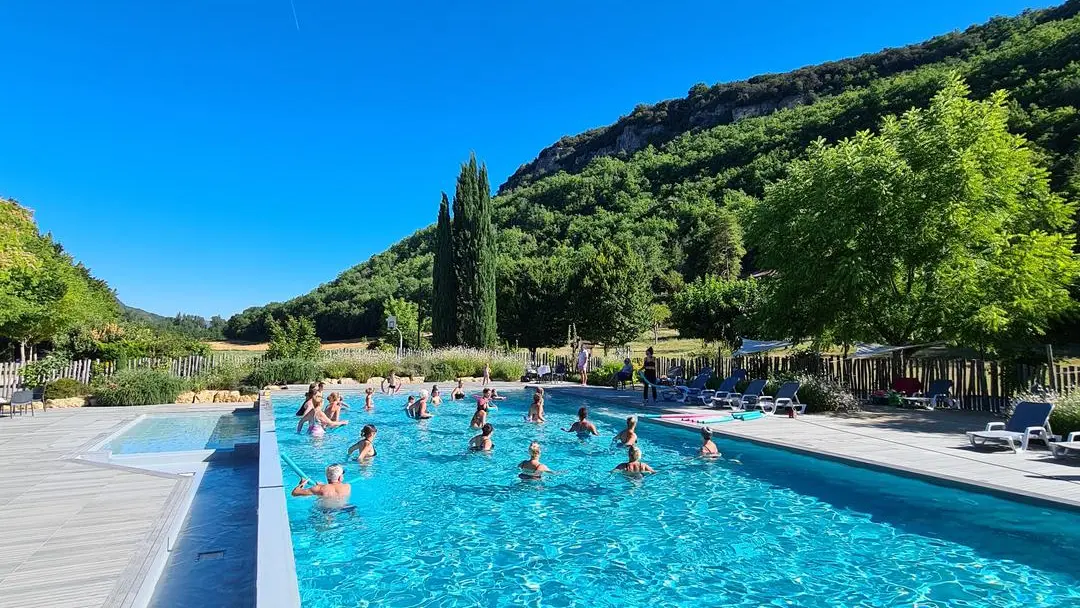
474,257
444,282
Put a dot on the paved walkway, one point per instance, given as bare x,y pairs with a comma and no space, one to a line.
919,442
74,533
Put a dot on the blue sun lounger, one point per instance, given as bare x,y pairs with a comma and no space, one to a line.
1029,420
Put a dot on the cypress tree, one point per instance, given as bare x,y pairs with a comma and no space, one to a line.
474,257
444,283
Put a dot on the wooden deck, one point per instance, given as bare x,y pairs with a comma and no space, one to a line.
74,533
930,444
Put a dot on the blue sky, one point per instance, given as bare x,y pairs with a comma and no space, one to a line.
207,155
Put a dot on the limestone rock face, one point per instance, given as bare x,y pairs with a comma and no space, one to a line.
67,402
186,397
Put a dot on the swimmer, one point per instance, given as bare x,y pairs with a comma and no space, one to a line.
536,410
487,375
495,396
335,487
409,407
629,436
333,410
459,392
482,442
317,420
532,468
420,407
633,465
369,399
582,427
312,389
708,448
366,445
479,419
391,385
436,397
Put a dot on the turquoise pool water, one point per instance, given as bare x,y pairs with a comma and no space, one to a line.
186,432
437,526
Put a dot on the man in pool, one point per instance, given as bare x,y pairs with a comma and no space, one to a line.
633,466
583,427
335,488
482,442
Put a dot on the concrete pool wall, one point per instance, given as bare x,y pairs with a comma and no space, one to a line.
275,583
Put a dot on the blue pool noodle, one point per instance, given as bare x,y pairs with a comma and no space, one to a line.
293,466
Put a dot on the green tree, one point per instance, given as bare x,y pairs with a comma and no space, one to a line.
475,257
659,314
942,227
444,283
533,301
408,320
295,339
715,245
714,308
611,295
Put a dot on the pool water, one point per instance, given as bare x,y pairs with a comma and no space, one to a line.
435,525
186,432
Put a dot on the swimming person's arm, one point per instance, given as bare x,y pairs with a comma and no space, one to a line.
352,448
303,419
300,490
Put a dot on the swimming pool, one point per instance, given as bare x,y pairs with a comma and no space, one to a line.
435,525
185,432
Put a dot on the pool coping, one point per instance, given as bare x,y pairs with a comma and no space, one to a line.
276,584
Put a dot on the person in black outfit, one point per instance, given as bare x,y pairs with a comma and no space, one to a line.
649,367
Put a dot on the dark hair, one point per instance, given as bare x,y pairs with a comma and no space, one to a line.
648,351
368,430
706,432
486,429
582,413
487,391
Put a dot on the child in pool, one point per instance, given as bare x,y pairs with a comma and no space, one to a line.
369,399
479,419
627,437
436,397
536,410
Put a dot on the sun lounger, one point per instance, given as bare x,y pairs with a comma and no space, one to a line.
739,401
786,397
685,393
937,394
726,387
1029,420
1060,449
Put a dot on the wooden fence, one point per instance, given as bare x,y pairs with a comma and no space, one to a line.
977,384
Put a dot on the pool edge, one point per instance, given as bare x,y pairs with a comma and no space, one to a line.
275,570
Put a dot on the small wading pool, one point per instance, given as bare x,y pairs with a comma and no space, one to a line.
185,433
435,525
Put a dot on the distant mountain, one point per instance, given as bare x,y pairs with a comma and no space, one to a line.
654,177
138,315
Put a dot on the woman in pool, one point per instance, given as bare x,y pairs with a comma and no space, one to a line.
366,445
333,409
459,392
479,419
312,390
436,397
495,396
582,427
391,385
482,442
628,437
317,420
536,410
532,468
369,399
708,448
633,466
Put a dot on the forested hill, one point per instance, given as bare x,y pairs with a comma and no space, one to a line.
677,200
705,107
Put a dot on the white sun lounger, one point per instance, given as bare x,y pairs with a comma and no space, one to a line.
1029,420
1060,449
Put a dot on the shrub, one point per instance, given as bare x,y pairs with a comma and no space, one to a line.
338,368
283,371
296,339
1066,415
440,371
225,377
63,388
605,374
138,387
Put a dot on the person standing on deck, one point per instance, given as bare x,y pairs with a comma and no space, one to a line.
583,364
648,366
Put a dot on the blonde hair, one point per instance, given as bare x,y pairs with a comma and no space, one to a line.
423,394
334,473
317,400
335,397
631,422
534,449
634,453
